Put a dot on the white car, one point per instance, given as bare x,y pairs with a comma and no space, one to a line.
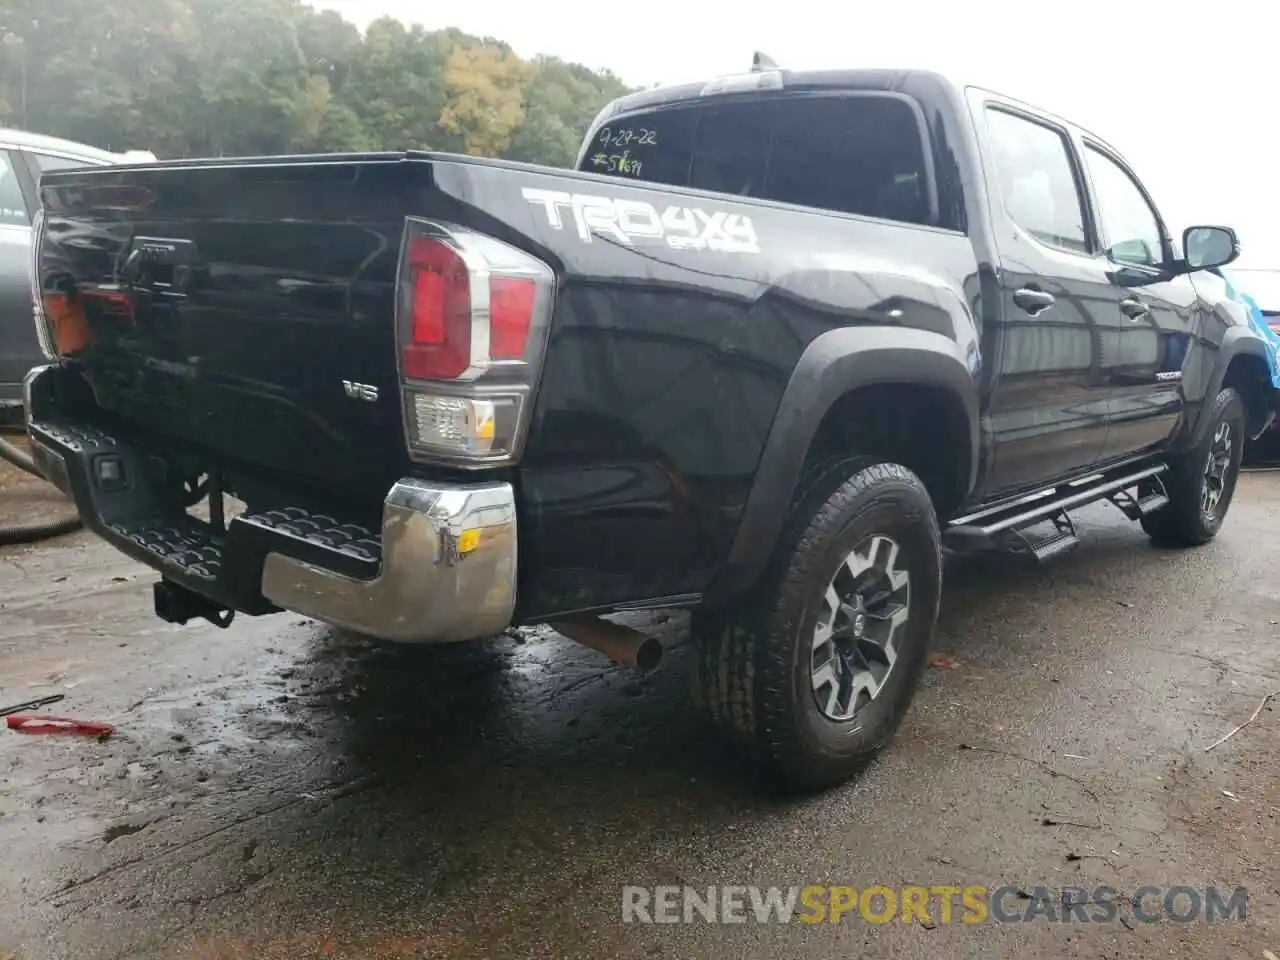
1261,284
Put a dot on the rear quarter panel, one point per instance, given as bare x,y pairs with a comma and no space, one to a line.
667,361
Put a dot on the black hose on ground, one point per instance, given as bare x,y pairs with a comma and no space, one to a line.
31,533
15,455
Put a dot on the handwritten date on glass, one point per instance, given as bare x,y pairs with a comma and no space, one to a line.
622,163
626,137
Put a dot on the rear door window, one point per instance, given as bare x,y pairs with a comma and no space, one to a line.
1038,182
860,154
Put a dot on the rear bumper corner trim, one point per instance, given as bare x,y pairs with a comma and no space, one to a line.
448,568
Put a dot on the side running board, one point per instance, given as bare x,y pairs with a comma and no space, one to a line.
1009,525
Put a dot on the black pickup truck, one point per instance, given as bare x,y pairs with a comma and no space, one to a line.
778,340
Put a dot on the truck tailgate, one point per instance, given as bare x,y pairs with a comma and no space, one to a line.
245,310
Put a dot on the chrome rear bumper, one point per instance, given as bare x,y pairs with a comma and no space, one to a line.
448,569
442,567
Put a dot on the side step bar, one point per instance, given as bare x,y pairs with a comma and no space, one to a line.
1043,546
1149,496
1009,525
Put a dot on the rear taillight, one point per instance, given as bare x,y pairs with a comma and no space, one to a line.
473,320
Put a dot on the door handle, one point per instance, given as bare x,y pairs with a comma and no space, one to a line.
1133,308
1033,301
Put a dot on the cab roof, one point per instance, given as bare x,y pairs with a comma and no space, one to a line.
811,80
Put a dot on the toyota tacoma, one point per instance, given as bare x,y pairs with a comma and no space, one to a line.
778,340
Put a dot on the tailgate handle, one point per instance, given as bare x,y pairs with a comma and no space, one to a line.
160,264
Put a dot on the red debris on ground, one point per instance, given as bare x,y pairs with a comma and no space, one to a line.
30,723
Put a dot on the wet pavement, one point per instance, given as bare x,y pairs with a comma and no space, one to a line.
283,790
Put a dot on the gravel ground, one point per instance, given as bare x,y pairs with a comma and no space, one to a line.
283,790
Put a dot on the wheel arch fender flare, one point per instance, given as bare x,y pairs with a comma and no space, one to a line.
834,364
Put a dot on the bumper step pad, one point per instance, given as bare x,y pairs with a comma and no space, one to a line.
130,513
198,553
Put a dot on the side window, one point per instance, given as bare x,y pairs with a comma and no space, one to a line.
46,163
1037,180
13,208
1127,221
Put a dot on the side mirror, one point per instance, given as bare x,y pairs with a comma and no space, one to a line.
1208,247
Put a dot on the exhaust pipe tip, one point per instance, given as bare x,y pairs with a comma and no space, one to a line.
621,644
648,655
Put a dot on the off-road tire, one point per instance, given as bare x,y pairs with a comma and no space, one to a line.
754,662
1184,521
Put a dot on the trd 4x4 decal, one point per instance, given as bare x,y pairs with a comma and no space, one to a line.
632,221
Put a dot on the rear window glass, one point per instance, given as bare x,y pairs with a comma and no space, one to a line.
853,154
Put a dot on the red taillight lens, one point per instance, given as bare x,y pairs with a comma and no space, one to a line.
510,316
439,344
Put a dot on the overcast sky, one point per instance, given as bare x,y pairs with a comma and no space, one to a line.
1182,91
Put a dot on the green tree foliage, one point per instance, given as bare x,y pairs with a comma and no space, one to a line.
243,77
560,101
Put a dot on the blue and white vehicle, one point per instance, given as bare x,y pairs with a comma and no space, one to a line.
1259,289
